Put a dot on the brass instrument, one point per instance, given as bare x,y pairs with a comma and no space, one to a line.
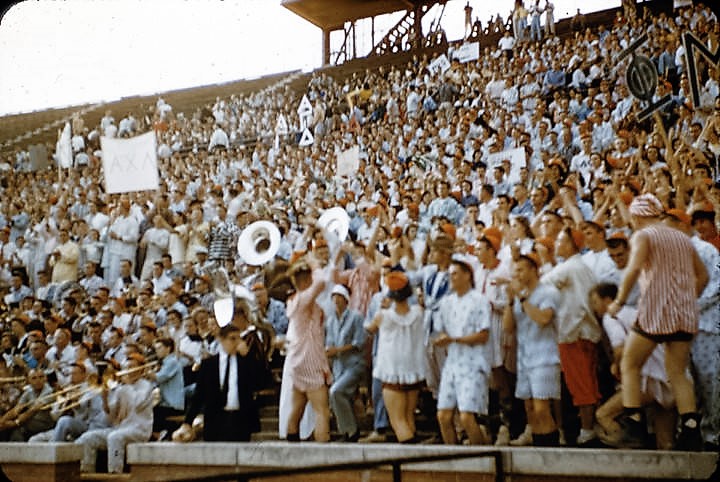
335,220
12,379
108,383
259,243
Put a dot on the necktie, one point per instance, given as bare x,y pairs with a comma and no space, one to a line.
226,380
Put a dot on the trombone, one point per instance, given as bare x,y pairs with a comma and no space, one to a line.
76,397
4,380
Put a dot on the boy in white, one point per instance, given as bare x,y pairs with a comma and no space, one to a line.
464,327
532,316
654,383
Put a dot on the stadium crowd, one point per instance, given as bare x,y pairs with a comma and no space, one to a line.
508,282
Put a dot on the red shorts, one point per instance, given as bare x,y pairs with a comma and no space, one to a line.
578,361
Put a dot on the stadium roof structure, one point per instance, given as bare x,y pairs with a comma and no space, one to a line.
332,14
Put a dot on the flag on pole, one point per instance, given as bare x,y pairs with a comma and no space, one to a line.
63,148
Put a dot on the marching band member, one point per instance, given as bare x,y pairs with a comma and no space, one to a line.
29,416
86,412
130,412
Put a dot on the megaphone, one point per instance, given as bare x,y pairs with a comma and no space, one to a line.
335,220
259,243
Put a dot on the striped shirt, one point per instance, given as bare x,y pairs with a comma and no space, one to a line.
306,360
667,283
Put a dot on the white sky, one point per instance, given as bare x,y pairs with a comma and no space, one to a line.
60,53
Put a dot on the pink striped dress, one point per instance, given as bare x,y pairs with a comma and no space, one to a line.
668,302
306,359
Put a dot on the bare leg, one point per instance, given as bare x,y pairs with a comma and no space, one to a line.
587,416
544,422
677,358
475,432
607,412
297,407
319,402
411,399
530,412
636,352
447,428
396,404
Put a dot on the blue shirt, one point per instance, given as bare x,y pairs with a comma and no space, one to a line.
171,383
345,330
277,316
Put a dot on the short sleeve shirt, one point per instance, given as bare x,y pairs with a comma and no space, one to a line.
537,345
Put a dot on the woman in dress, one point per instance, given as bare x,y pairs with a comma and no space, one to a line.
400,361
306,362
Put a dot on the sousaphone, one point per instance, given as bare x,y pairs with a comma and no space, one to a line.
259,243
337,221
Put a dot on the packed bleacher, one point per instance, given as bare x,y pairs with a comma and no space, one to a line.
498,274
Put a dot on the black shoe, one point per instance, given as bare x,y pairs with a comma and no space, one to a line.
352,437
633,435
689,440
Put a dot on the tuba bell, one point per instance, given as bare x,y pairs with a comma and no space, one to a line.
259,243
337,221
226,294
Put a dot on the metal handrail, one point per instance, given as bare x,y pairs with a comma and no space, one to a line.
395,463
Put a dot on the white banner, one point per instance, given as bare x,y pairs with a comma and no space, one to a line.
130,164
467,52
517,160
348,162
440,64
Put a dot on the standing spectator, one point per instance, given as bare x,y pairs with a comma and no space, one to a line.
64,259
306,360
672,277
578,330
531,315
464,327
535,13
549,18
400,360
123,235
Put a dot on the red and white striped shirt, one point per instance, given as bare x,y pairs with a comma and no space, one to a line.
668,302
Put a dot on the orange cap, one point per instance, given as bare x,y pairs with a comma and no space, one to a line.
680,215
449,229
396,280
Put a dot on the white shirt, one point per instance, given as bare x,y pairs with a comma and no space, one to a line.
574,318
233,399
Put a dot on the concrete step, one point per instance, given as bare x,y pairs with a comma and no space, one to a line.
99,477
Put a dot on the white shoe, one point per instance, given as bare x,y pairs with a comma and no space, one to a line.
561,438
524,439
586,436
503,437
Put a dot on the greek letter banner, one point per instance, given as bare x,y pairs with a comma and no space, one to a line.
130,164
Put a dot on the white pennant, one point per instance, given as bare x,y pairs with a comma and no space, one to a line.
307,139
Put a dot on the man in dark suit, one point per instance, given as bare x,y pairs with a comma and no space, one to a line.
224,393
